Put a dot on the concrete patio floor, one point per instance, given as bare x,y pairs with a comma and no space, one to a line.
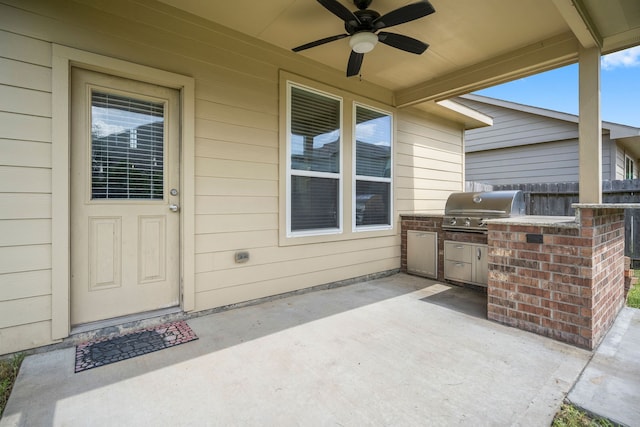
400,350
610,385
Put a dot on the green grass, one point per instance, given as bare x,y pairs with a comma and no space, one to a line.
633,299
570,416
8,373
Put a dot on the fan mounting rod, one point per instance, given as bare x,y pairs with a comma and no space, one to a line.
362,4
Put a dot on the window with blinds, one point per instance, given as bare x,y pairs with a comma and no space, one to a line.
127,147
314,138
373,167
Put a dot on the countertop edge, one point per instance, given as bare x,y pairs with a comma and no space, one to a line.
538,220
605,205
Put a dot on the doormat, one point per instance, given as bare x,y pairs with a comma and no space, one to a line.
104,351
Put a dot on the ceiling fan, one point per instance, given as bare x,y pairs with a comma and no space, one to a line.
363,24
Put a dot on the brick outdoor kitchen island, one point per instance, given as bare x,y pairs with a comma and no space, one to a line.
561,277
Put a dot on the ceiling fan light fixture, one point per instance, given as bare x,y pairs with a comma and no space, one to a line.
363,42
362,25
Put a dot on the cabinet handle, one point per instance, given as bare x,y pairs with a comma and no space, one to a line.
479,253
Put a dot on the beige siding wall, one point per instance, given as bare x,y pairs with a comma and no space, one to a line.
428,163
25,192
236,148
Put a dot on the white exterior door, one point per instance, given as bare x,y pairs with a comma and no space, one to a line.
125,243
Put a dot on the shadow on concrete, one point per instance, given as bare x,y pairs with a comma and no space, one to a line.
372,353
48,378
463,300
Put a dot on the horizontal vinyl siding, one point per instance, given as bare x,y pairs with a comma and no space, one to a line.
237,193
428,163
24,336
514,128
524,165
237,143
539,163
620,159
525,148
34,283
25,192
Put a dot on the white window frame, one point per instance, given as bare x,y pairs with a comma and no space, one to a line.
290,172
629,160
355,178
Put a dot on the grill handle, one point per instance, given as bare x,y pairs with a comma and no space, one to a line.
476,211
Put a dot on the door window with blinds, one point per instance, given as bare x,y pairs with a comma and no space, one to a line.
314,144
373,164
127,147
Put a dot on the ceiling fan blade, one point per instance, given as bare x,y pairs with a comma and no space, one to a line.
404,14
339,10
408,44
319,42
355,62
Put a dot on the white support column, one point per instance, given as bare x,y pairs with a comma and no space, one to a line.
590,127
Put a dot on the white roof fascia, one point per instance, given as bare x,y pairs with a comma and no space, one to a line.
457,113
463,110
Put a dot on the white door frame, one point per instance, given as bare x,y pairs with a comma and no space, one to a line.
63,59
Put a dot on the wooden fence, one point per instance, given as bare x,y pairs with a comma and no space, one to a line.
557,198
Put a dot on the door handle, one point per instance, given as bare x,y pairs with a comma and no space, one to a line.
174,207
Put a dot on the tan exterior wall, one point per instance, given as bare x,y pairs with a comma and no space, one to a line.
25,192
235,167
428,163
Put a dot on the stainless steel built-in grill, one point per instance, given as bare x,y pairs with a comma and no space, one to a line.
470,211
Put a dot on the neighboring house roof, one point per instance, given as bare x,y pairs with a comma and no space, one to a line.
528,144
567,125
616,130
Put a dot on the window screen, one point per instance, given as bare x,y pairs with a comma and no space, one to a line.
314,203
372,203
314,138
127,147
373,168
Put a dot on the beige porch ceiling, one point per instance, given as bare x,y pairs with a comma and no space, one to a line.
473,43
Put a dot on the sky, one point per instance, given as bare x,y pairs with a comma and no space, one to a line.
558,89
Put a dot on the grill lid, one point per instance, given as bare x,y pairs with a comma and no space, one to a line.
469,211
489,204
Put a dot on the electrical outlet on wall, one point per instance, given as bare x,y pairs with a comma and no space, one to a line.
242,256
